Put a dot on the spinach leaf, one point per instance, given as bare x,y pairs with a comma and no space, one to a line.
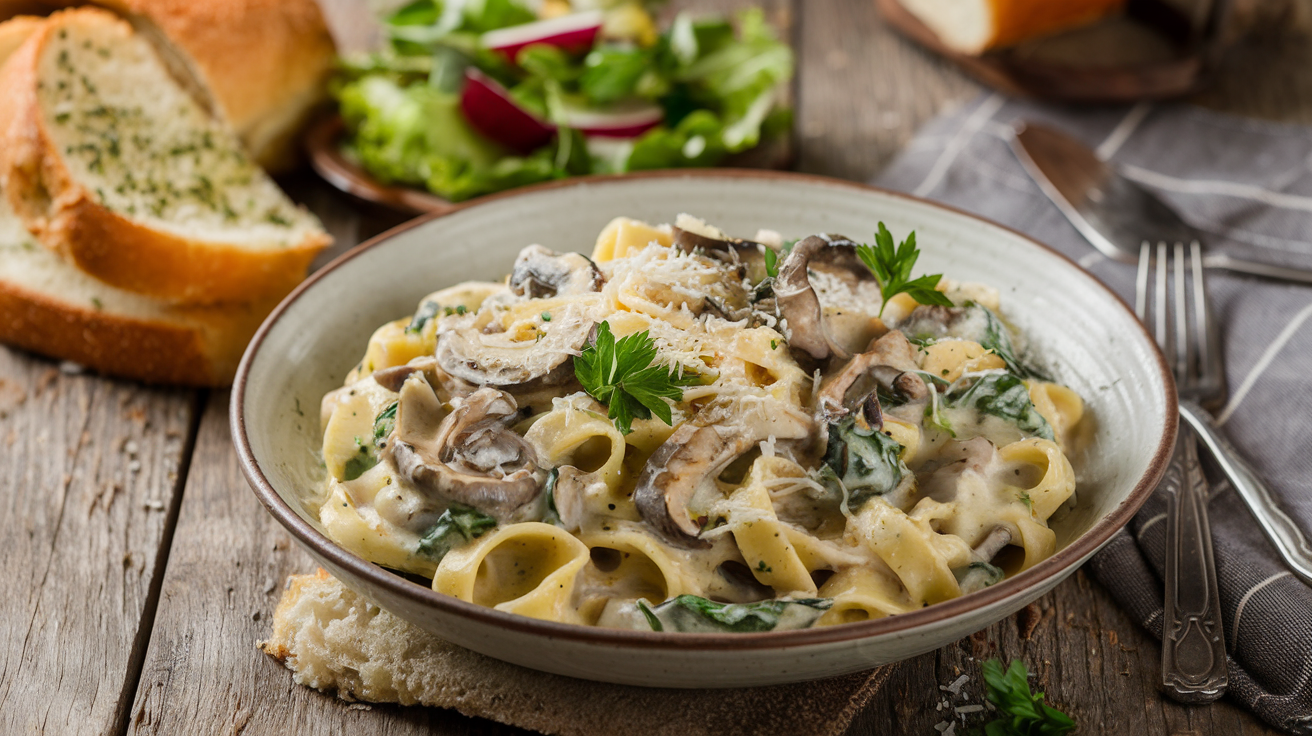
384,423
693,614
359,462
1005,396
997,338
865,460
428,310
456,527
367,457
551,515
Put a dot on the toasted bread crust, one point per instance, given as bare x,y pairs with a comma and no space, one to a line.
69,219
153,352
15,31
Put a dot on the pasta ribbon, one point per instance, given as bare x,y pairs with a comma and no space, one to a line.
1062,407
1051,478
861,593
948,359
623,234
525,568
911,549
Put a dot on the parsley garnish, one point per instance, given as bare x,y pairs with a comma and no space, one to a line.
621,376
771,263
1020,711
892,269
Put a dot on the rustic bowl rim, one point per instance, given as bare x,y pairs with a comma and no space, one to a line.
1056,566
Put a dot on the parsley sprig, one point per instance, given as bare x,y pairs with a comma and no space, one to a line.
620,375
1020,711
892,269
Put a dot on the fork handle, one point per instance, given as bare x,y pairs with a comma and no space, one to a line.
1253,268
1283,533
1193,639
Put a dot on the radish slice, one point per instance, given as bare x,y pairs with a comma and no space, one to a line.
622,121
574,33
489,107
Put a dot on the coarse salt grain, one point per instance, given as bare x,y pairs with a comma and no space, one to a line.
955,687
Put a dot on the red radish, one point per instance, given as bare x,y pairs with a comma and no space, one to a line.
622,121
489,107
573,33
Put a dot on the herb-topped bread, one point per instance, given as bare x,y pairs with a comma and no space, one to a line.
267,63
110,162
49,307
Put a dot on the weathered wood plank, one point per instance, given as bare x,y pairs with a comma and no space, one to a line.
87,498
225,575
862,90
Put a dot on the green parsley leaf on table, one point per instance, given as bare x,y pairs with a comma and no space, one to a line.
620,375
892,269
1020,711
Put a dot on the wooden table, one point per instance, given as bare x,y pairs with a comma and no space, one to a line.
142,570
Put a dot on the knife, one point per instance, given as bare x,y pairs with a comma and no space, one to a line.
1112,212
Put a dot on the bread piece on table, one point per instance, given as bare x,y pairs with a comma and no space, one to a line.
267,62
111,163
974,26
14,32
49,307
334,640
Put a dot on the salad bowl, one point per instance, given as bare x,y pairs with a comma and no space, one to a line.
1078,330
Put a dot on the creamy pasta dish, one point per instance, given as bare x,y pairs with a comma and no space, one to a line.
692,432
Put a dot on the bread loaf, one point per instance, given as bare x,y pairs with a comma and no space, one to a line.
267,62
975,26
51,308
115,166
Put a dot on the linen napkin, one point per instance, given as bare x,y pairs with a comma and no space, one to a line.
1247,185
336,641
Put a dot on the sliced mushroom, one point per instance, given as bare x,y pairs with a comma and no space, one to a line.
489,359
568,491
540,272
469,456
888,364
797,300
697,452
446,386
981,573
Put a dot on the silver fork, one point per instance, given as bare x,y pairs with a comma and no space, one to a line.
1193,641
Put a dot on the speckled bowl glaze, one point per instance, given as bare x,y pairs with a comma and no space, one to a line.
1076,327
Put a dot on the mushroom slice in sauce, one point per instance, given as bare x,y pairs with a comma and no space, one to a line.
888,364
797,300
446,386
540,272
697,452
485,359
469,456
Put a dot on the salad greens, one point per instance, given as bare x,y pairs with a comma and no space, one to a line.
628,99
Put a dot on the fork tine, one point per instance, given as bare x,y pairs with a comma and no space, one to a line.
1159,303
1182,371
1141,283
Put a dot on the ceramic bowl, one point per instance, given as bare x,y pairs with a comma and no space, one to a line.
1076,326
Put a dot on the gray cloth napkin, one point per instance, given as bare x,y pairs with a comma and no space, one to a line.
1248,186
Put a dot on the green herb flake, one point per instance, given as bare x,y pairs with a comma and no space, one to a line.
1021,712
546,316
621,375
456,527
426,312
892,270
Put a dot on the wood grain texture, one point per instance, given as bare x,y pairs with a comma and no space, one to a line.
862,91
87,497
203,674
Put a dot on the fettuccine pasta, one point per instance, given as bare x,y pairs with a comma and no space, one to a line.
690,432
